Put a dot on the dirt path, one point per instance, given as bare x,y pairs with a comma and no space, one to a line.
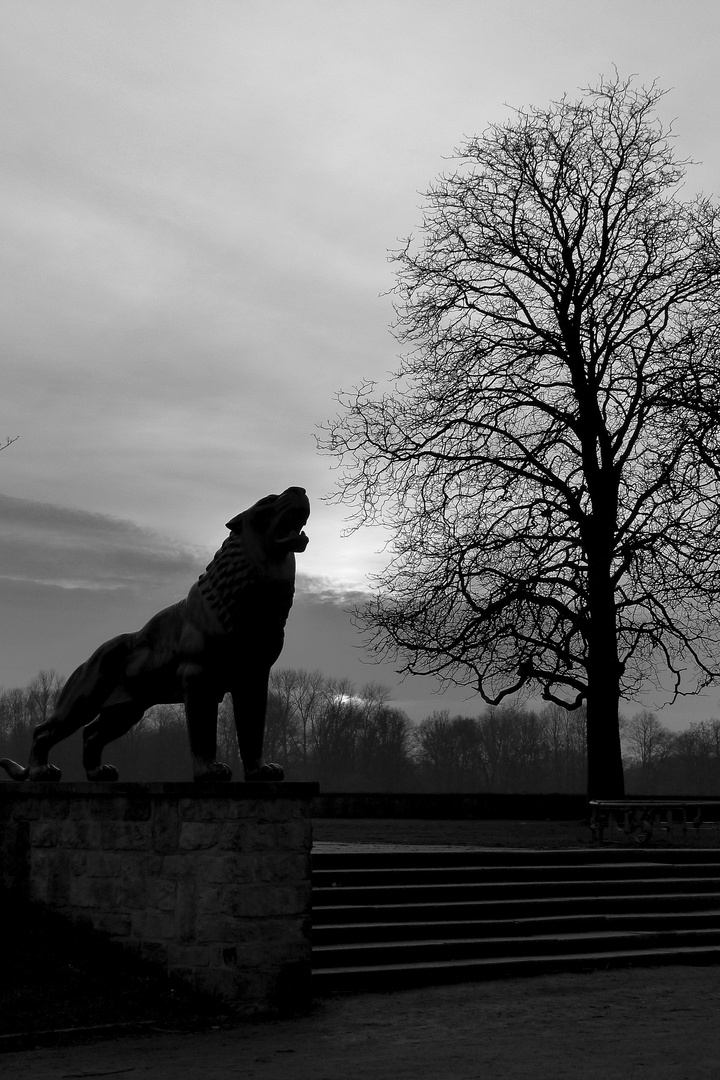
639,1024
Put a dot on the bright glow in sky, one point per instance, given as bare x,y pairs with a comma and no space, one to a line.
197,204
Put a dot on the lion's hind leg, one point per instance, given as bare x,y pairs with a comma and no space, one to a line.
113,722
80,701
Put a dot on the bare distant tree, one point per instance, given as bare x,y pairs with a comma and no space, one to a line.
450,752
42,694
647,741
567,745
548,462
295,698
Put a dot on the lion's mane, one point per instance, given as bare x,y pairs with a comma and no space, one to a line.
232,584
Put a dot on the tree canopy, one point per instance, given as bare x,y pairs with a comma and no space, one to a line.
547,459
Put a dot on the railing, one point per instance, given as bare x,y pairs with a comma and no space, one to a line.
640,817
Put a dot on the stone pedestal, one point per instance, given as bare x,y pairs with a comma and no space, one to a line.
212,881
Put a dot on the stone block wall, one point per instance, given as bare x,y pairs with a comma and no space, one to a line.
211,881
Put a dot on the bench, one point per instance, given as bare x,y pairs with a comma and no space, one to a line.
640,816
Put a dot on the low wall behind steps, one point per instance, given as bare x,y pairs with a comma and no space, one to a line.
212,882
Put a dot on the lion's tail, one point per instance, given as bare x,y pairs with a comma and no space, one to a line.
14,771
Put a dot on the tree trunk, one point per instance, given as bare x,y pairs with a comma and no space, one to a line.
605,778
604,752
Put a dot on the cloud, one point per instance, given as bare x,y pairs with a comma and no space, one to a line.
321,636
196,203
68,548
324,590
70,579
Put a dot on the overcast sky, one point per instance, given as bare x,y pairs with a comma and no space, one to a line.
198,200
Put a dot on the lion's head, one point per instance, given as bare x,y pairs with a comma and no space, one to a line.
279,518
256,564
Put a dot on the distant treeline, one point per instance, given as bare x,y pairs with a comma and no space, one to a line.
325,729
663,762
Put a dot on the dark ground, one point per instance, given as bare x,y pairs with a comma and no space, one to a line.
636,1024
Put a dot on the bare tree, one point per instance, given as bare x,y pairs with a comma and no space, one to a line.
384,751
295,699
548,461
648,743
42,694
697,752
227,743
566,746
449,752
16,720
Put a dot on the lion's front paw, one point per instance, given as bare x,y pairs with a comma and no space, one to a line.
212,770
270,771
44,773
103,772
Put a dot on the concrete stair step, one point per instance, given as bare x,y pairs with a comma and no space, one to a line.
387,976
361,933
403,917
372,954
326,857
513,909
364,895
366,877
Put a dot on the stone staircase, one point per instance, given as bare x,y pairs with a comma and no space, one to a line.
407,917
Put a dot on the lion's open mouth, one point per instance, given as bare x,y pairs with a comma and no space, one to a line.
294,541
288,531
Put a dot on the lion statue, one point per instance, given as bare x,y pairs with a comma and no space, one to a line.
223,638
